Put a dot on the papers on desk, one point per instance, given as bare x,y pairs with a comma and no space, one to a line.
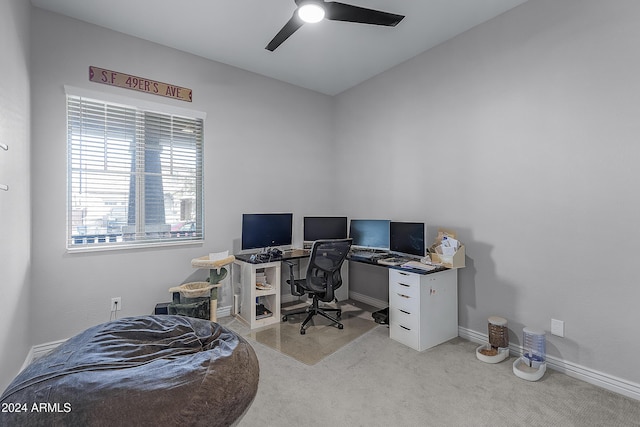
447,250
449,246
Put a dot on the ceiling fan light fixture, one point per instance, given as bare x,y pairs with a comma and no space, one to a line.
311,13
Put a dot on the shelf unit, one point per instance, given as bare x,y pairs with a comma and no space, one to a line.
423,308
245,275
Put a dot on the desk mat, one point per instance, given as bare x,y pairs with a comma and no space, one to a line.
321,338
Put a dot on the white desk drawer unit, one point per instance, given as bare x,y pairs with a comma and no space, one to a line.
423,308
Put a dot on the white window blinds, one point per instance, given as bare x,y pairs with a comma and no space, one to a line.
134,176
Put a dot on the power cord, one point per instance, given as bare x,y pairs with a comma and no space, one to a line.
114,312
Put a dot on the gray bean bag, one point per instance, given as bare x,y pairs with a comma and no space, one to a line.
138,371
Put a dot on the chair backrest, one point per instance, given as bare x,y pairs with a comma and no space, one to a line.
325,261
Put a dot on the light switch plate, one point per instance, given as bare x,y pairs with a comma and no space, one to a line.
557,327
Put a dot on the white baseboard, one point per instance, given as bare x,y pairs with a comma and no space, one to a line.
40,350
224,311
368,300
27,360
286,298
600,379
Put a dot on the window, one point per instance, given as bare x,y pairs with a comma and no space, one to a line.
134,176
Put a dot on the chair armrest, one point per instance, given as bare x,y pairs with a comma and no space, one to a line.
292,280
291,265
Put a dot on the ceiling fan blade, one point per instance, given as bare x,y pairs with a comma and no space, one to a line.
289,28
336,11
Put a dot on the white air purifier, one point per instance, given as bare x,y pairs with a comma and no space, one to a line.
498,348
532,365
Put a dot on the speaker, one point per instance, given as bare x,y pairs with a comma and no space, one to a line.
162,308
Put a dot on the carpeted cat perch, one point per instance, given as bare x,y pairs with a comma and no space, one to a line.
200,299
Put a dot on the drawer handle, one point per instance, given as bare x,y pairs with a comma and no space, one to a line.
404,296
402,273
404,284
405,312
404,327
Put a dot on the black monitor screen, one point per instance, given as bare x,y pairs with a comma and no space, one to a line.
407,238
266,230
324,227
370,233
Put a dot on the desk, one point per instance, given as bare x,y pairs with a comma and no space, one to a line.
245,274
299,255
246,269
287,255
423,306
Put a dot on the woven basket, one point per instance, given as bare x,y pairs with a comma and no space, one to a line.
194,289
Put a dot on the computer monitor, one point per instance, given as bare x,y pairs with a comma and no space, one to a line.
407,238
370,233
266,230
324,227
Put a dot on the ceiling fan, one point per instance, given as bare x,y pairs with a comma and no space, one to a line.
312,11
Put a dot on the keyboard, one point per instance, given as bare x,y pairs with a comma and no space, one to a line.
392,261
364,254
418,265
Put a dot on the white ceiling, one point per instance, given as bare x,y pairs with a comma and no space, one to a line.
328,57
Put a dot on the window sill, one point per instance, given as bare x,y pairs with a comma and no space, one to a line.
133,246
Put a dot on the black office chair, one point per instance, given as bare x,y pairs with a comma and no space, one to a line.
322,279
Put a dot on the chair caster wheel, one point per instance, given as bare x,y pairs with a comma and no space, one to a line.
302,331
284,318
339,313
340,326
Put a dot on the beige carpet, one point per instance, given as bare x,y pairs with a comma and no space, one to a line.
375,381
321,338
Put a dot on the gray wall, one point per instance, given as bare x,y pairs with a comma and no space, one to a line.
522,134
15,205
255,127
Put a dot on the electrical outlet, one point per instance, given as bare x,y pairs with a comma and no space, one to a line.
116,303
557,327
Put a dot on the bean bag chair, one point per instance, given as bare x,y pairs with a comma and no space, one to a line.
138,371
